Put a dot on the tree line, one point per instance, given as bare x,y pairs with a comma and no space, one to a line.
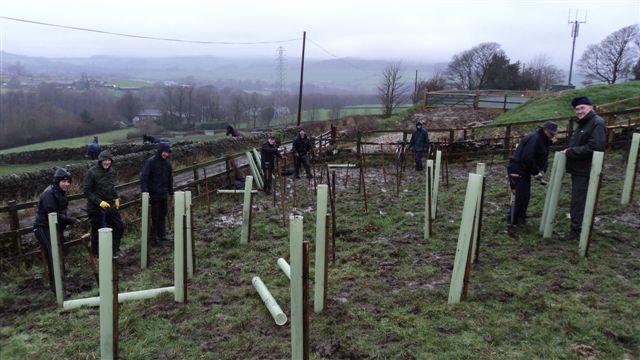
486,66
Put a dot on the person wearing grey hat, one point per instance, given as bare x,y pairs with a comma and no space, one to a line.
156,179
528,159
589,136
53,200
103,201
420,143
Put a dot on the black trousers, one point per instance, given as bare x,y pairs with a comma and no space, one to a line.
521,183
419,160
267,171
42,235
579,187
301,160
158,218
110,219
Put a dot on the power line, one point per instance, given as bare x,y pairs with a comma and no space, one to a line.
336,56
151,37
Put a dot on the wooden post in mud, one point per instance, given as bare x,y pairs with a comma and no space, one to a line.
435,185
462,262
362,181
206,188
384,166
283,190
333,216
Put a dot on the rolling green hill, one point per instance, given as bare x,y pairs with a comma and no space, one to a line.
558,104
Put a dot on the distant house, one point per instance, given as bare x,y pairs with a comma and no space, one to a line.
281,111
148,114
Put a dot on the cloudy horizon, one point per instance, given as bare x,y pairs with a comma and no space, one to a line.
402,30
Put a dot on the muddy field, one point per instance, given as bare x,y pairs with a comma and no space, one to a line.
388,288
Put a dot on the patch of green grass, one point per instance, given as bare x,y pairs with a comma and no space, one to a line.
387,291
559,105
104,138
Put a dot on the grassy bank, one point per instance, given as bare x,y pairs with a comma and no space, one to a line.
104,138
559,105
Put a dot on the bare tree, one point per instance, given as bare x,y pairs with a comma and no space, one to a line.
392,91
253,107
468,69
437,82
129,105
543,73
612,59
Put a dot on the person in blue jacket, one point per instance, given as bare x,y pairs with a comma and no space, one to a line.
156,178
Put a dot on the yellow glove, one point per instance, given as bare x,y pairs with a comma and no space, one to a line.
104,204
117,203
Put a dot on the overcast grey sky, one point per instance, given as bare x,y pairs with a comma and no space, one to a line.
392,29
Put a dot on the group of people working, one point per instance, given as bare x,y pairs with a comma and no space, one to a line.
530,160
103,201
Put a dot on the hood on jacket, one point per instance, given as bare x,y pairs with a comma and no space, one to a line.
61,174
164,146
104,155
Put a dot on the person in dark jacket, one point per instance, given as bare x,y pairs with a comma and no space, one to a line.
53,200
268,153
529,158
156,179
301,147
419,142
93,149
590,136
103,201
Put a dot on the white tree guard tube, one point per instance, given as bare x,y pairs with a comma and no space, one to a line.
189,237
480,170
435,184
179,255
144,231
547,199
272,305
284,266
550,218
632,166
295,256
56,262
106,293
321,245
591,201
428,203
246,210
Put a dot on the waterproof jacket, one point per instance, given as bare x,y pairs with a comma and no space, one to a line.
301,146
100,185
590,136
53,199
531,154
156,177
419,140
268,152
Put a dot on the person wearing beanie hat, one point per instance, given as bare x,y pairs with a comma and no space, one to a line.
52,200
103,201
528,159
268,153
300,148
589,136
156,179
420,143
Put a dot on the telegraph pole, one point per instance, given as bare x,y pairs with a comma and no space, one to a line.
575,29
304,40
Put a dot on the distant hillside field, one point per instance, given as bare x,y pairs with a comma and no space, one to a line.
559,104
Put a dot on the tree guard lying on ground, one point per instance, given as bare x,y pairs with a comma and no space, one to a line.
272,305
632,169
284,266
554,186
591,203
461,265
180,261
